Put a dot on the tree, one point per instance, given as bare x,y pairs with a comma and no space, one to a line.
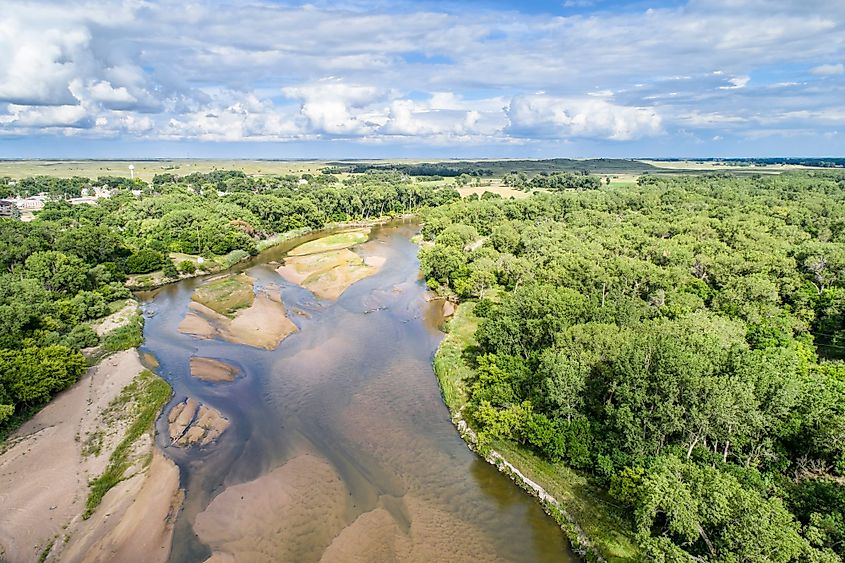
529,318
144,261
57,271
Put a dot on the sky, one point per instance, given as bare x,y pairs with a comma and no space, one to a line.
424,79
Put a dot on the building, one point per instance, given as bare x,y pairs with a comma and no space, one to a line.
8,208
33,203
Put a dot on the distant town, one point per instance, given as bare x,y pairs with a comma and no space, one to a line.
23,208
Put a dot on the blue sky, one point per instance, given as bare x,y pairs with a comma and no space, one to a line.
463,79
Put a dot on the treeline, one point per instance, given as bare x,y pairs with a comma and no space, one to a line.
497,168
678,341
425,169
552,182
64,268
55,277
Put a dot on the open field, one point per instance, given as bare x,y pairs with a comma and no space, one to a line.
714,166
495,187
146,169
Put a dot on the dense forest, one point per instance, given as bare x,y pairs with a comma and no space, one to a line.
67,266
679,341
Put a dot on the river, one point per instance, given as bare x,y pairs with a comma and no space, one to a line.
340,444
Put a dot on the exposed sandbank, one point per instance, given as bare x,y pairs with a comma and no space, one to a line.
117,319
336,241
327,275
209,369
264,324
47,464
192,423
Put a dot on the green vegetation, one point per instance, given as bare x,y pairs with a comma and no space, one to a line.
141,402
598,515
64,268
336,241
130,335
496,167
676,344
226,295
451,369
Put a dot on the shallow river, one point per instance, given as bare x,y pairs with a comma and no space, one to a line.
340,447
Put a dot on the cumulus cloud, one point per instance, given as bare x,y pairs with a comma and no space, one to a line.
333,107
275,71
540,115
828,70
38,117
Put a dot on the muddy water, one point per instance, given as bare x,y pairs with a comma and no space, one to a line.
340,447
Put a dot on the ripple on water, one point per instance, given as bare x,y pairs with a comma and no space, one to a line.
340,448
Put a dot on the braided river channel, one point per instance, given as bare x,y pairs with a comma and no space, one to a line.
339,446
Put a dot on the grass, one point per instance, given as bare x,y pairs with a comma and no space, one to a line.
607,526
449,364
118,305
280,238
493,186
145,170
336,241
142,400
130,335
227,295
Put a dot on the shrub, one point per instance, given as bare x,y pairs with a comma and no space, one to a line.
144,261
187,267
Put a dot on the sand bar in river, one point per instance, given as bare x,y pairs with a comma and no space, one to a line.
264,324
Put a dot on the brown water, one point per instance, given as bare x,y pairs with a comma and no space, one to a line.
340,447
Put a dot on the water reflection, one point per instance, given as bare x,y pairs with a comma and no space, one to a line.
348,410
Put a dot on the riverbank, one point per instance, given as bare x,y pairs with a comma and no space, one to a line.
82,479
596,529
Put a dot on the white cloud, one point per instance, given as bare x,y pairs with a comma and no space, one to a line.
736,83
245,70
547,116
333,107
38,117
828,70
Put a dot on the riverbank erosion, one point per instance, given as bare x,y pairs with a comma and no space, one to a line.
594,526
262,323
83,481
